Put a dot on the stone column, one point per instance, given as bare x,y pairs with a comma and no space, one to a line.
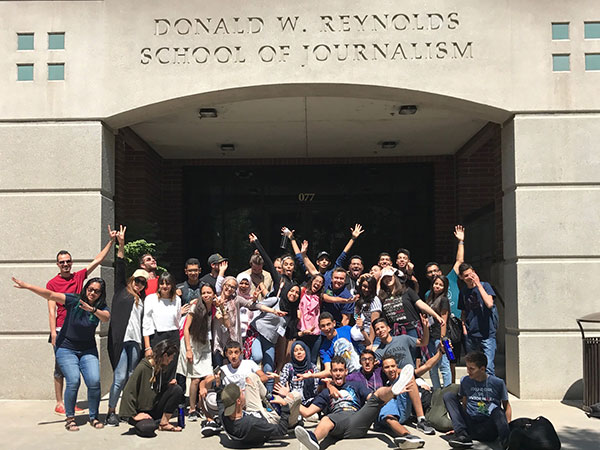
551,184
56,192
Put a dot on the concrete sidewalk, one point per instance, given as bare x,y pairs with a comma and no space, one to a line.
33,424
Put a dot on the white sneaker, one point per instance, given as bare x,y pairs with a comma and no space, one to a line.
406,376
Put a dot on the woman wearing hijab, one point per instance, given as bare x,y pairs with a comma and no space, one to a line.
300,363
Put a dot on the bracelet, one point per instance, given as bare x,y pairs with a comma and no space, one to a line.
461,242
147,348
94,310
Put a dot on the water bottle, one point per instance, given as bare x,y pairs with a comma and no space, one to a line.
449,352
181,415
284,239
273,406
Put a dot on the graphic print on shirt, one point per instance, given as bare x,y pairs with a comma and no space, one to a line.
349,401
481,396
394,310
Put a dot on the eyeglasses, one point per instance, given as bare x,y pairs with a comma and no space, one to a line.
91,290
64,263
370,359
141,281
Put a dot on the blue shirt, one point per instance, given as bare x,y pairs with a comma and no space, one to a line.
339,262
338,309
483,396
326,350
353,396
79,329
480,320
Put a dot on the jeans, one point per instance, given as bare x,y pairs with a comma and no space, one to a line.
264,351
72,363
314,344
481,428
130,356
443,366
487,346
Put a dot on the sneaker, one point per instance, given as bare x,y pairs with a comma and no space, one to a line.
425,426
193,416
210,428
60,410
406,376
112,420
461,441
409,441
306,438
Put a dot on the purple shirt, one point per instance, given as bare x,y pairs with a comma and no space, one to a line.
373,383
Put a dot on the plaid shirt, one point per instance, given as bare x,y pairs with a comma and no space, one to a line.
288,376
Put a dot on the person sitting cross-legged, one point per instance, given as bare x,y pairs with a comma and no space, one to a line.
349,407
481,410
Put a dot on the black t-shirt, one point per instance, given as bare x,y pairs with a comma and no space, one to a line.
208,278
188,292
401,310
78,331
440,306
353,395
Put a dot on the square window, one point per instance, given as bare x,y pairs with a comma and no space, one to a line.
56,72
592,61
24,41
560,31
24,72
561,63
591,30
56,41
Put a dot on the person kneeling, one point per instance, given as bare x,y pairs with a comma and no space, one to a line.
149,395
350,408
481,410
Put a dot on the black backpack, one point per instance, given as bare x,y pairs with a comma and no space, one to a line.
533,434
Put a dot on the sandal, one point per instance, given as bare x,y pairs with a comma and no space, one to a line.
168,427
96,424
70,424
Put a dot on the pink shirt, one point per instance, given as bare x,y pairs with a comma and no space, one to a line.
309,313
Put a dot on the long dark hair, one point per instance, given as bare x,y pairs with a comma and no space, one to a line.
397,289
199,325
159,351
310,282
365,299
166,277
432,297
100,303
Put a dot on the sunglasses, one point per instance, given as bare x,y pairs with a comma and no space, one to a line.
64,263
140,280
91,290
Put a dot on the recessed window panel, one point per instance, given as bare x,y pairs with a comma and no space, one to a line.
561,63
592,61
24,41
591,30
56,41
56,72
24,72
560,31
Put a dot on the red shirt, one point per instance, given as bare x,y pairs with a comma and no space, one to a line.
71,285
152,286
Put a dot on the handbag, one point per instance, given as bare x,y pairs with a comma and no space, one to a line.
533,434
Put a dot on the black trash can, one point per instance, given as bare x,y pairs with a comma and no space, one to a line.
591,363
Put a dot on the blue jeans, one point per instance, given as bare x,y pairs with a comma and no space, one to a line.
487,346
84,362
443,366
130,356
264,351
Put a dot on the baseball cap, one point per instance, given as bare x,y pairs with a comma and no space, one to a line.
141,273
229,396
323,255
216,258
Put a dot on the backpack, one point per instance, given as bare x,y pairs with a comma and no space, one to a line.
533,434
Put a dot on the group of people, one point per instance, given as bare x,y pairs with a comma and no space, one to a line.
286,341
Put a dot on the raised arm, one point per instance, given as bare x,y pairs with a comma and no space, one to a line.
120,277
100,256
267,259
459,234
42,292
427,309
356,232
297,252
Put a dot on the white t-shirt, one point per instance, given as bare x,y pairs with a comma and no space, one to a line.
238,376
134,326
161,314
